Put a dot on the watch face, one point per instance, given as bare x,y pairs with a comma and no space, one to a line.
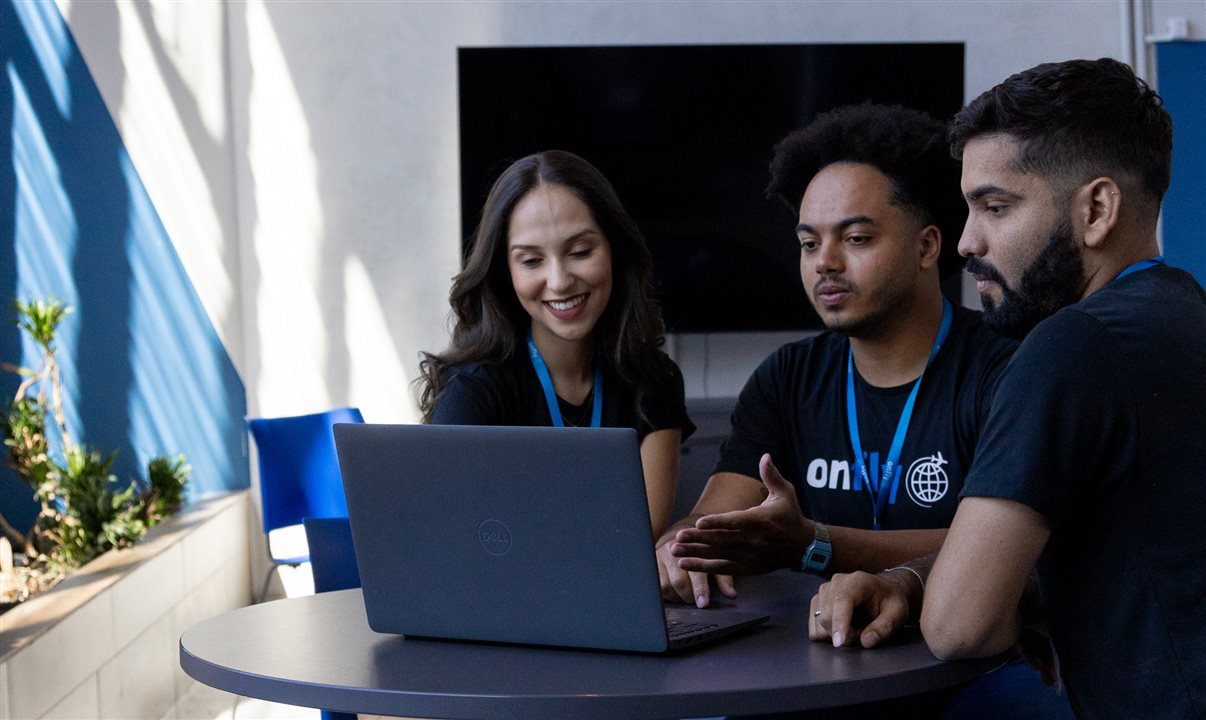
817,558
818,554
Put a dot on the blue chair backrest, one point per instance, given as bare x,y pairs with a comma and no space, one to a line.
332,554
299,470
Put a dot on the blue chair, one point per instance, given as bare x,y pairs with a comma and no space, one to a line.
333,561
299,473
332,554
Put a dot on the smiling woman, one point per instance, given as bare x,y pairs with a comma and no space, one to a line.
560,265
555,323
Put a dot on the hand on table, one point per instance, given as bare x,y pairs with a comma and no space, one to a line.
860,605
678,585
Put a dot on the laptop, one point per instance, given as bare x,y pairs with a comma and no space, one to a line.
529,535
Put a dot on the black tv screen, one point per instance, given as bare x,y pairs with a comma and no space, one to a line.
685,135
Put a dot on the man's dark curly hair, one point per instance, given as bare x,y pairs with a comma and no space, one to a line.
906,145
1077,120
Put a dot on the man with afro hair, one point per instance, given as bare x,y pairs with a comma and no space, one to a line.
848,450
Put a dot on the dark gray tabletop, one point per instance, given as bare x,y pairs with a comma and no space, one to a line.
318,651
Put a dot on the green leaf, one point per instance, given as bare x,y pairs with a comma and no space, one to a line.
41,320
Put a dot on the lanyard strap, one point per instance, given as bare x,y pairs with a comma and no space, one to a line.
1141,265
879,497
550,395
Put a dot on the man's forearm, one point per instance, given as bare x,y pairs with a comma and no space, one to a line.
874,550
977,591
911,577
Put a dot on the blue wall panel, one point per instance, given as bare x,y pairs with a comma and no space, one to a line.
144,371
1182,73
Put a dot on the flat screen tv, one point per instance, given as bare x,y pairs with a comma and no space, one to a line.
685,135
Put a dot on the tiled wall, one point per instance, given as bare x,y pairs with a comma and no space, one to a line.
104,643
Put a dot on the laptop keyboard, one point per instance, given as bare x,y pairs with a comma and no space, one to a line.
679,628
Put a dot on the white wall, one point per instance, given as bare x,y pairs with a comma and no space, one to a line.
304,155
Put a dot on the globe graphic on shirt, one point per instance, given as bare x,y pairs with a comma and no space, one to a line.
926,481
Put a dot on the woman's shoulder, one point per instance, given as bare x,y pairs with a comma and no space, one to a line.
479,393
664,365
482,371
658,374
499,382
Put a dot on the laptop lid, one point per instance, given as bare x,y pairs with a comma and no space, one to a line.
503,534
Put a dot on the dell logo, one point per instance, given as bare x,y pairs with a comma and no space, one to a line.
494,536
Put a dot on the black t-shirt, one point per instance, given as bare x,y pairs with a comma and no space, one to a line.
1104,433
509,393
794,407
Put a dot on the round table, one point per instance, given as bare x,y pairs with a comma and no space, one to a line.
318,651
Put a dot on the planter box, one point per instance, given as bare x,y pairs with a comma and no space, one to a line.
103,642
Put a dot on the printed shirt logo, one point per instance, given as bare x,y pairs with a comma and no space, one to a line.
926,481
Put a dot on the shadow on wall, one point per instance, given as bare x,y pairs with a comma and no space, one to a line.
144,370
298,360
363,258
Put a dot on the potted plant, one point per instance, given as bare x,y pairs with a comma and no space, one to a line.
85,510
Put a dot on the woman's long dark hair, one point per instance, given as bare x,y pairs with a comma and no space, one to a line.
489,321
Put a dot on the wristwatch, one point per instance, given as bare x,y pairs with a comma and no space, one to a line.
816,557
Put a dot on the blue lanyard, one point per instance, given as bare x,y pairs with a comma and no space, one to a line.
879,499
1141,265
550,395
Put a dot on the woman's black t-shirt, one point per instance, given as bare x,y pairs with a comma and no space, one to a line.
509,393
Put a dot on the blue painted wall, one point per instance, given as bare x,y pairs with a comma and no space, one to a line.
1182,73
144,371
